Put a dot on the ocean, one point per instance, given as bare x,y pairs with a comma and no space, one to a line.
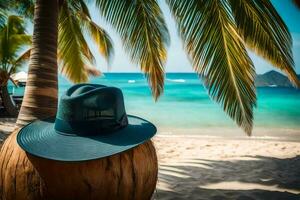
186,109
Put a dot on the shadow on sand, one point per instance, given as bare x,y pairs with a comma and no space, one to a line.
244,179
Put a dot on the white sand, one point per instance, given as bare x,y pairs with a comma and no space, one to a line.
200,168
192,167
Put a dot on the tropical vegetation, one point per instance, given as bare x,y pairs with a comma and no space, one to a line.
76,60
13,39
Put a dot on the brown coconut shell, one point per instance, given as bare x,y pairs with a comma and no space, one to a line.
129,175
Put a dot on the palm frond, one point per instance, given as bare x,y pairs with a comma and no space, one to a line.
16,35
265,33
15,25
218,54
2,4
24,57
102,40
13,38
144,34
17,42
23,7
99,35
2,17
73,52
80,6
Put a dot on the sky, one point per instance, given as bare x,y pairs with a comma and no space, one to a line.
177,59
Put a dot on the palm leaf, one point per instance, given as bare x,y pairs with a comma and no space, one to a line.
24,57
99,35
2,17
17,42
79,6
102,40
218,54
13,38
265,33
15,25
2,4
23,7
144,34
73,51
16,34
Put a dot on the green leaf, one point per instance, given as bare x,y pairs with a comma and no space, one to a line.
143,31
265,33
99,35
218,54
24,8
2,17
23,58
13,39
73,52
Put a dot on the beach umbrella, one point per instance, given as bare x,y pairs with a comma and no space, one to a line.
20,76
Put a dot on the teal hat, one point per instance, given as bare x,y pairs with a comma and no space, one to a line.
91,123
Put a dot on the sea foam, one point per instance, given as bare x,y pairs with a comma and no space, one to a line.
176,80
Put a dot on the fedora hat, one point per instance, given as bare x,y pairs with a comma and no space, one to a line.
91,122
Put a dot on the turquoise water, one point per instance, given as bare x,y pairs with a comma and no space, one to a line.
185,107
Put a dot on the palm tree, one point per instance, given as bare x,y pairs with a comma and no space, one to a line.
125,178
75,59
215,34
13,38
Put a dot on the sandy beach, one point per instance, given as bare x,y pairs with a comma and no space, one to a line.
6,127
195,167
202,168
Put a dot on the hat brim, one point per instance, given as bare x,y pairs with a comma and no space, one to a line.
39,138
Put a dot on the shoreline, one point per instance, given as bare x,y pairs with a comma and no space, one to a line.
234,133
224,138
222,133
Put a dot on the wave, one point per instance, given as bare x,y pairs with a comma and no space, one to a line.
272,85
131,81
176,80
266,137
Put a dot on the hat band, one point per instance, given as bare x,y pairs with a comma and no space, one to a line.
89,127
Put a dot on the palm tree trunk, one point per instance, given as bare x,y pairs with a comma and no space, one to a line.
40,99
8,103
20,180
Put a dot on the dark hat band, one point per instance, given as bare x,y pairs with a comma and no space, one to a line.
90,127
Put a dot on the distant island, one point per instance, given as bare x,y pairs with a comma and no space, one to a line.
272,79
